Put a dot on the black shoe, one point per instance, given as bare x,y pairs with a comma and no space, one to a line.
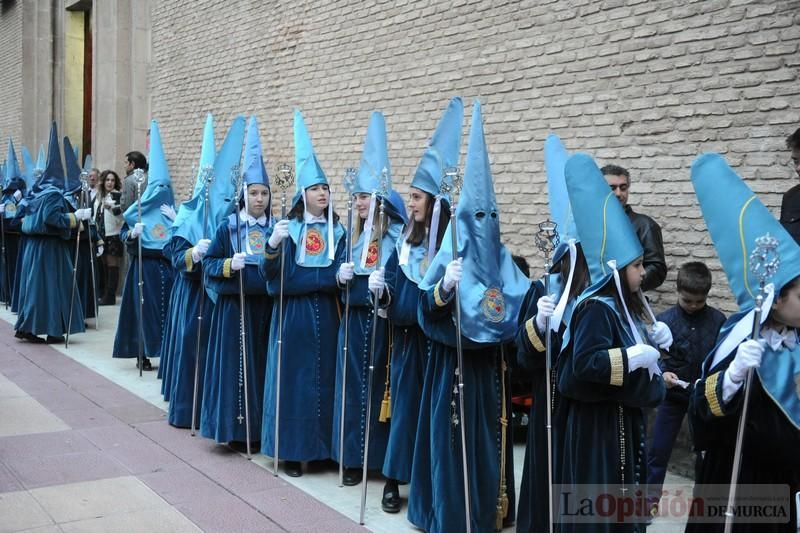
146,364
293,468
19,335
54,340
391,497
352,476
30,337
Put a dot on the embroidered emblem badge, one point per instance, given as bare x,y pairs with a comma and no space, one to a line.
159,232
256,240
315,243
493,305
372,255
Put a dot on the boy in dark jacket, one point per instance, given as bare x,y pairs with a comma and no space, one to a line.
694,327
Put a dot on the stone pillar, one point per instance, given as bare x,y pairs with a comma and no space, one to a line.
121,108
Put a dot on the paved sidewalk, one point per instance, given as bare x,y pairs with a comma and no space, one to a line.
80,453
84,446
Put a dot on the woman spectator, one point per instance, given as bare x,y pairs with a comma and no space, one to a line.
109,222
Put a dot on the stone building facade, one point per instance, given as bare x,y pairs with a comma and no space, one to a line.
647,84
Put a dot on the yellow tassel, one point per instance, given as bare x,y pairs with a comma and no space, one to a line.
386,407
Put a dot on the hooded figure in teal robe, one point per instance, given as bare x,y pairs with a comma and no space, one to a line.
157,273
314,248
601,369
491,291
770,462
404,270
14,187
223,411
372,177
47,264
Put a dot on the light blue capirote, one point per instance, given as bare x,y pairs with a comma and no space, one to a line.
157,193
492,288
308,173
373,169
735,220
442,152
220,167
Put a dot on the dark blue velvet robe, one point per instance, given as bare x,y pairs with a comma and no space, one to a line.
533,508
436,494
18,272
157,277
358,355
223,382
85,288
770,451
308,365
409,355
593,375
185,308
168,338
46,269
8,265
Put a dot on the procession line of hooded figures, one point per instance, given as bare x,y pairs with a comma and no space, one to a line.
605,345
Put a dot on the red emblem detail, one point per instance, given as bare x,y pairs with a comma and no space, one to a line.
372,254
159,232
315,244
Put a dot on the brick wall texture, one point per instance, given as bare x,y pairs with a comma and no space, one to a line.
10,76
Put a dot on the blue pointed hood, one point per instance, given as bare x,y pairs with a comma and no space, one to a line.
157,192
52,175
443,150
189,222
27,174
492,287
374,162
255,172
12,175
308,171
41,158
254,169
735,219
605,231
72,183
87,163
555,159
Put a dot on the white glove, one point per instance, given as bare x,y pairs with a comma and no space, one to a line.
200,249
108,202
452,274
137,230
345,273
17,195
377,282
100,250
641,356
545,308
748,355
279,232
237,261
83,214
168,211
661,335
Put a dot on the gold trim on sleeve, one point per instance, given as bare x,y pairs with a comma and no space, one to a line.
226,268
617,366
711,395
187,258
533,337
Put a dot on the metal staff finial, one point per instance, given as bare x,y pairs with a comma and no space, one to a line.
453,181
285,179
349,179
547,240
763,264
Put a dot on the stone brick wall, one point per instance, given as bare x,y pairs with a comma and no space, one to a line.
645,84
10,76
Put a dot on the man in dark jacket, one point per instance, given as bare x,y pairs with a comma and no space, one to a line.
647,229
790,204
